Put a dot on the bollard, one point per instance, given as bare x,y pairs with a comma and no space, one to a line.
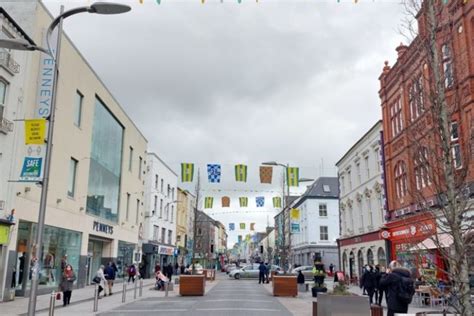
166,289
140,292
52,303
96,298
124,291
135,290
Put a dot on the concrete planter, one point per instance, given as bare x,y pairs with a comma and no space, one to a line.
337,305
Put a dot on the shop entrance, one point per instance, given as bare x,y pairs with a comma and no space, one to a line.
94,257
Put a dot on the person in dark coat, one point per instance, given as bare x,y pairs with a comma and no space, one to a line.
267,272
368,282
300,278
261,275
67,282
110,276
390,282
378,290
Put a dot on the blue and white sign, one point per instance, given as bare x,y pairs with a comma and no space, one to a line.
45,81
31,168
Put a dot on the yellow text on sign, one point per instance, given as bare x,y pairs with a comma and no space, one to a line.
35,132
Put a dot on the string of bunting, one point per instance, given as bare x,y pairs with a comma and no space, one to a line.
257,1
242,226
243,201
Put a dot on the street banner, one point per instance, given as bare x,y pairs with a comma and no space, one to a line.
225,201
243,201
214,173
35,131
187,172
295,228
242,225
31,167
260,200
252,226
295,214
241,173
208,201
292,176
266,174
276,202
231,226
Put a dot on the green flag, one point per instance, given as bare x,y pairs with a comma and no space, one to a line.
244,201
187,172
242,225
208,201
276,202
292,176
241,173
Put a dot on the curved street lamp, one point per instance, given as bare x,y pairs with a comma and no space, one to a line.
21,44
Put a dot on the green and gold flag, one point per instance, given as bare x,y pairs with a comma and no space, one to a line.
187,172
276,202
244,201
241,173
208,201
293,176
242,225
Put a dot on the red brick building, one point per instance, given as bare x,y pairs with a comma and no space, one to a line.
409,127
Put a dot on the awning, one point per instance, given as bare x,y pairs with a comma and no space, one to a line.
442,240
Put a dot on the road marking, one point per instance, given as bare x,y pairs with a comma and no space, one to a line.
143,311
239,309
235,300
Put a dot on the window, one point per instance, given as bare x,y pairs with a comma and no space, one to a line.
172,194
367,167
3,93
401,179
422,177
361,215
323,233
127,211
138,211
167,211
130,159
170,235
168,191
359,179
377,159
140,163
199,231
72,177
396,119
156,232
155,205
161,208
349,179
163,235
323,209
78,109
172,213
454,131
369,208
326,188
415,97
456,148
162,186
447,66
156,182
343,189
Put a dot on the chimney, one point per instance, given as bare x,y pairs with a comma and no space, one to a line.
401,49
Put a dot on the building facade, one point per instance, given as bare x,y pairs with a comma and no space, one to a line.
206,234
413,180
267,244
184,225
96,189
361,206
161,197
317,230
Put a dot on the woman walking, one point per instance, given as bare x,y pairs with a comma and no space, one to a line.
100,280
67,282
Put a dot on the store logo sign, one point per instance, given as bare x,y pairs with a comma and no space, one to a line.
103,228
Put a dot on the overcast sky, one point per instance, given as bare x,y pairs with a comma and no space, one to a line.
287,80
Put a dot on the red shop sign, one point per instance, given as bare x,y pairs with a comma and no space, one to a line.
410,230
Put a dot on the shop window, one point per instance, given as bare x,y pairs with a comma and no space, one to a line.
370,257
382,257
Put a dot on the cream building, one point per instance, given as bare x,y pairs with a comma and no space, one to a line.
361,204
184,232
96,192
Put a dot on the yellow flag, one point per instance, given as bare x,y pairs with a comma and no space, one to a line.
35,132
295,214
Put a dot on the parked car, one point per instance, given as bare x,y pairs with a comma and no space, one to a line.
230,267
251,271
198,268
306,270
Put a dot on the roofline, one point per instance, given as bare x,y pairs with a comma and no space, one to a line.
359,141
18,27
161,160
96,75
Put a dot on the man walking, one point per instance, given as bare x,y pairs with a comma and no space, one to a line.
399,288
261,275
110,276
267,272
368,282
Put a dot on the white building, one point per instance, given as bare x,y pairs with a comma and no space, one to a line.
361,204
161,195
268,244
318,224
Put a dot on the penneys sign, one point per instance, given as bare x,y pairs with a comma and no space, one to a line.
103,228
45,81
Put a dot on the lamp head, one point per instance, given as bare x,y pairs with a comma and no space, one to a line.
108,8
270,163
16,44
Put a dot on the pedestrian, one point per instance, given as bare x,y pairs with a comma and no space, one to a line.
300,278
331,269
267,272
64,262
169,271
132,272
399,287
368,282
110,276
182,269
261,275
176,268
161,279
67,282
100,280
364,270
379,273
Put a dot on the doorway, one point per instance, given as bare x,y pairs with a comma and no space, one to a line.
94,257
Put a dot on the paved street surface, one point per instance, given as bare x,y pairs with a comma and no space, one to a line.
228,297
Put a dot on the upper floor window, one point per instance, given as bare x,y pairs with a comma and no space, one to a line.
156,182
401,179
156,232
127,210
359,177
447,66
155,205
367,167
130,159
349,179
172,214
140,163
78,108
454,131
377,159
342,185
455,146
161,208
162,185
323,233
422,177
323,209
415,97
170,234
168,191
72,177
3,95
396,119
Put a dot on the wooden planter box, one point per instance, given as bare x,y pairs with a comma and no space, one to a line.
343,305
285,286
192,285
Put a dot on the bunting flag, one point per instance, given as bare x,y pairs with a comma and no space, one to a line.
252,226
225,201
260,200
244,201
266,174
208,201
295,214
241,173
276,202
247,238
292,176
242,226
187,172
231,226
214,173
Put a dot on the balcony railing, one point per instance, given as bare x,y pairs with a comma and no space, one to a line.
6,126
7,61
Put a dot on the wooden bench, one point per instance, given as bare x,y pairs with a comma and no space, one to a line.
192,285
285,286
